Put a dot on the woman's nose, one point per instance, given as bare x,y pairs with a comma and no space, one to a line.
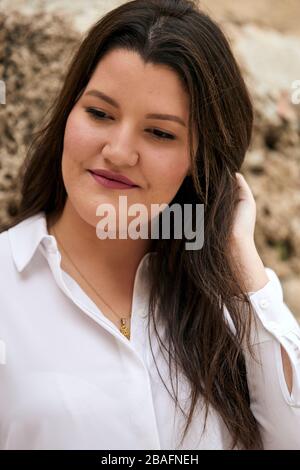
120,150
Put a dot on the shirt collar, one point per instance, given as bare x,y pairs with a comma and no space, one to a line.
25,238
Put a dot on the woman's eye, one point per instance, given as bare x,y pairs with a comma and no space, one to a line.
97,114
100,115
162,135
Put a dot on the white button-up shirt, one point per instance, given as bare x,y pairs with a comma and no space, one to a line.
70,380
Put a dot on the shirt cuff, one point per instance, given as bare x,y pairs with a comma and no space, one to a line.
278,323
269,305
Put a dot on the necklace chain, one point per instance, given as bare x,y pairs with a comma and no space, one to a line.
124,329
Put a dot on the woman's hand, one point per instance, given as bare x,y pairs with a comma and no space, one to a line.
245,215
242,245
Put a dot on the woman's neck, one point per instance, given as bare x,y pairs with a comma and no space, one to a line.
80,240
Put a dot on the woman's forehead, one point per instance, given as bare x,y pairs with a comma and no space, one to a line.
121,70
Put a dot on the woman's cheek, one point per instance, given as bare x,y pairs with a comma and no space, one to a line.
174,172
79,135
165,186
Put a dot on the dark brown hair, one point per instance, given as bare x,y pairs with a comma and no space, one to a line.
191,287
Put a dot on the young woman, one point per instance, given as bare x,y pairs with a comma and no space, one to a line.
139,343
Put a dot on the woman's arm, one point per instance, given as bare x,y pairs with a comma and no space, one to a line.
255,278
273,376
274,381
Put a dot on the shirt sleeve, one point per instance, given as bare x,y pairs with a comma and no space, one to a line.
276,409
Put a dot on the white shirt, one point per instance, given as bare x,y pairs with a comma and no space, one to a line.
70,380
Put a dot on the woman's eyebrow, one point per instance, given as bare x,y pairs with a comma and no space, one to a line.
112,102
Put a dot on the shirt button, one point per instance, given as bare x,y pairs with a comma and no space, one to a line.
264,303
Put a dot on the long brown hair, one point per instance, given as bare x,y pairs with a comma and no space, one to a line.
191,287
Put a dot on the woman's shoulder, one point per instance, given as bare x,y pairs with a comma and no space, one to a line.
19,241
7,263
4,244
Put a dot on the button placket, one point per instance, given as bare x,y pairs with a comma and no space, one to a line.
54,263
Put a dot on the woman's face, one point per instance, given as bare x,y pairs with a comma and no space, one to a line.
120,135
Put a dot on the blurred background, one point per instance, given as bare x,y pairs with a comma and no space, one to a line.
38,37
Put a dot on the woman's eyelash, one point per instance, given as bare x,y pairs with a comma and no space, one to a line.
95,113
161,135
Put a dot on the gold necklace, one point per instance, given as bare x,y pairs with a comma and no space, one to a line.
124,328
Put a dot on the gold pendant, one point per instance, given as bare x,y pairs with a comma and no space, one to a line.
124,329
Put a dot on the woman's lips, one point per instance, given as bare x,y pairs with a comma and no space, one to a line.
107,183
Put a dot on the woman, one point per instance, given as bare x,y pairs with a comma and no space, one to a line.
139,343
